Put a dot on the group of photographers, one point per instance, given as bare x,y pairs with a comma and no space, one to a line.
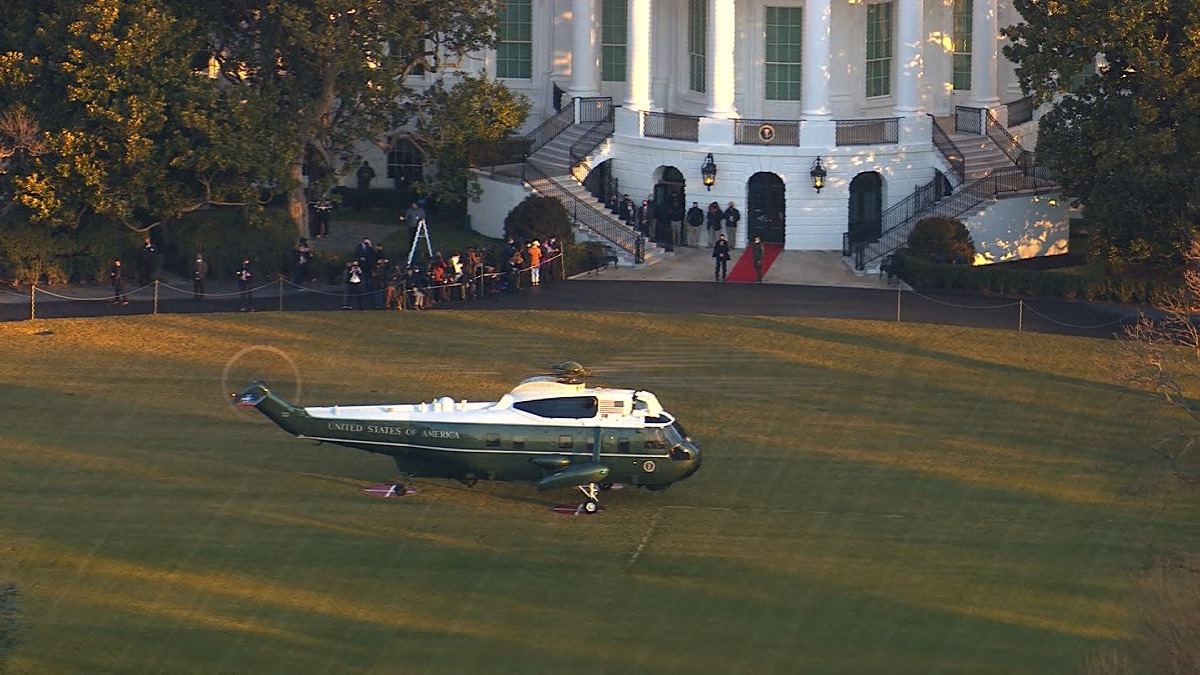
372,281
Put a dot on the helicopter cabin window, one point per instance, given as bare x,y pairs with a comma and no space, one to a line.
591,445
568,406
623,445
492,440
654,439
518,442
566,441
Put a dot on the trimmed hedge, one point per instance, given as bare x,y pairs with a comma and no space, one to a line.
1000,280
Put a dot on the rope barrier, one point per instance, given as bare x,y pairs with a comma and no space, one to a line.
1114,322
958,306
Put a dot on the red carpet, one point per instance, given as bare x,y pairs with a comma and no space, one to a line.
743,269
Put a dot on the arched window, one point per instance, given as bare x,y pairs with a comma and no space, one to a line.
405,164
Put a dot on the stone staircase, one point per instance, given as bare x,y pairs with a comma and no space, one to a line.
554,160
981,155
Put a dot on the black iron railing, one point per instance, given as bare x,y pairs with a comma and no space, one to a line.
899,220
595,109
954,156
766,132
671,126
551,127
600,114
868,132
585,215
968,120
1020,111
496,153
1000,136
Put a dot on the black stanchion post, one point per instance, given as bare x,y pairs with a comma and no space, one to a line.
155,305
32,301
1020,315
281,294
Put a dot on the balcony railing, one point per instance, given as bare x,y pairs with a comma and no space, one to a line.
766,132
1020,111
671,126
868,132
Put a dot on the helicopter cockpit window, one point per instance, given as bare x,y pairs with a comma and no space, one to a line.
676,434
569,406
654,439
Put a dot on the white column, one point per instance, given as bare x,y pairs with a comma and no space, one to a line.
722,34
909,42
815,87
638,54
585,75
984,46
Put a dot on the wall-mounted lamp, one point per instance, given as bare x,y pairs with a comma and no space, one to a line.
708,171
818,175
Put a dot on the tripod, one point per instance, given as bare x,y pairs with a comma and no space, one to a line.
422,233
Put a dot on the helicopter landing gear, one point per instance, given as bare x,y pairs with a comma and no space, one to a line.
590,505
590,491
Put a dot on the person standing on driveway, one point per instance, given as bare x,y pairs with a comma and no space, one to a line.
695,218
757,253
116,278
199,272
713,220
720,256
245,277
732,216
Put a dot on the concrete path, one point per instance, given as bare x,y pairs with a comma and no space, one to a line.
806,268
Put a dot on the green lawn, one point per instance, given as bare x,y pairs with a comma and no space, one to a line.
874,498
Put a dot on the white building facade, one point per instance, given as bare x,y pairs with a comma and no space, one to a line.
768,88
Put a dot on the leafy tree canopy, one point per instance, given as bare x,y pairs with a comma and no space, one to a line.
337,74
1124,136
152,108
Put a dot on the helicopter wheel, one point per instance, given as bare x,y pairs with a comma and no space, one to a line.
606,485
590,506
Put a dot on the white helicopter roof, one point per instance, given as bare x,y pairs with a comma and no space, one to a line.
611,404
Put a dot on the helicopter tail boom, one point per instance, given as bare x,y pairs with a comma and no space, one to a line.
258,395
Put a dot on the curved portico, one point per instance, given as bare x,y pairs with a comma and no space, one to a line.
768,88
858,110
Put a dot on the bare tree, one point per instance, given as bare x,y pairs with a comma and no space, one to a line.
1161,356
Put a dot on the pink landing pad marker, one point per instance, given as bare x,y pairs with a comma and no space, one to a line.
575,510
390,490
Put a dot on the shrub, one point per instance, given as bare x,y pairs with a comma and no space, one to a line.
583,256
225,236
941,239
1001,280
28,250
539,218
